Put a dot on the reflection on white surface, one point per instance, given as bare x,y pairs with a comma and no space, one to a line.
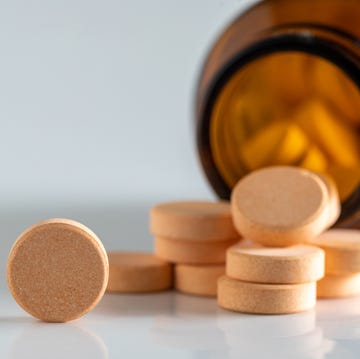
342,352
345,308
43,341
262,326
190,325
135,305
340,321
177,332
311,345
193,306
282,336
197,324
172,325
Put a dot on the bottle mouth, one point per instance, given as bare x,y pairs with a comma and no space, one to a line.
301,42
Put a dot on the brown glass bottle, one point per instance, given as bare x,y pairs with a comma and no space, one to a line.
281,86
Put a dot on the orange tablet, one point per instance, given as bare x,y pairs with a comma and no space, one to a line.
342,250
280,206
339,286
265,298
198,279
334,205
192,252
135,272
253,262
193,220
57,270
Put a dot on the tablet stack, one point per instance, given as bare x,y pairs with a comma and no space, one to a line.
277,209
268,280
194,236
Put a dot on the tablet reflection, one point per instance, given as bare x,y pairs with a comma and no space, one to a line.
279,336
44,340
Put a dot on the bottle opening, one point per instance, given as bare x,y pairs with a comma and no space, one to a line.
288,108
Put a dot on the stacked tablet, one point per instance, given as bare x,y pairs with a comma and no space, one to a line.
194,236
342,264
277,209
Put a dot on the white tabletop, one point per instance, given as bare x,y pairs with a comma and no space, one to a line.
173,325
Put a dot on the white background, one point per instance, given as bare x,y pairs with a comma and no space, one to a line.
96,97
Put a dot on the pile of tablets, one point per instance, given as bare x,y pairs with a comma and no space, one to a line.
269,251
194,236
277,209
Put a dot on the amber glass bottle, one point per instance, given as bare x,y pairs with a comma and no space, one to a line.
280,86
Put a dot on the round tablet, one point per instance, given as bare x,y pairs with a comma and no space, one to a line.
338,286
192,252
57,270
209,221
280,206
198,280
132,272
334,205
342,250
252,262
265,298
